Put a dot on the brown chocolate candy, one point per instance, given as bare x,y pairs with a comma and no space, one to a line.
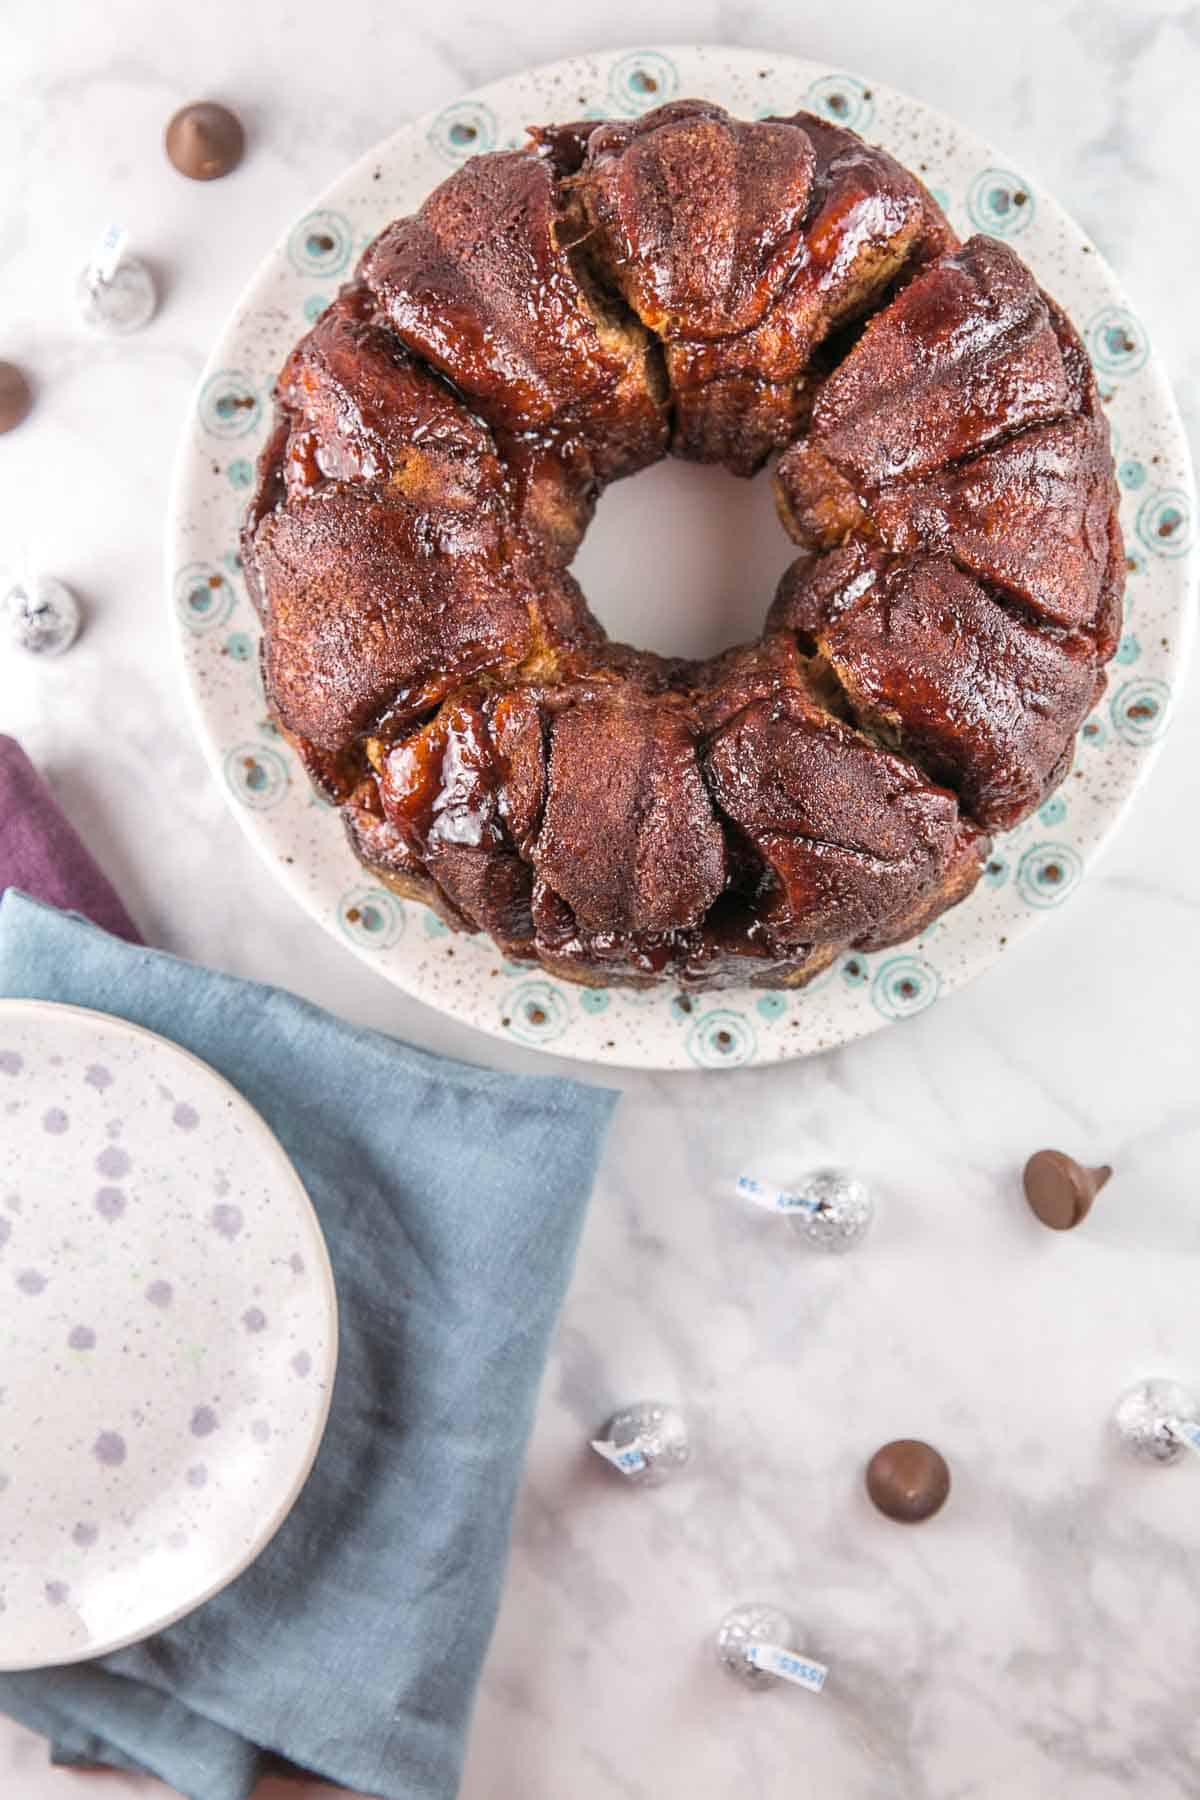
1059,1190
16,396
908,1480
205,141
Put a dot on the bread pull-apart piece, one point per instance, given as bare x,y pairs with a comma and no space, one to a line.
360,408
554,318
983,699
965,424
741,246
964,355
374,604
629,841
484,284
849,835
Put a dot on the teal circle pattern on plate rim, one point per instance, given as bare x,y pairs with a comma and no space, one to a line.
721,1038
1047,873
904,986
856,969
1117,342
303,843
1165,522
1139,712
465,129
843,99
321,244
643,79
204,597
535,1011
256,777
229,405
372,917
1000,203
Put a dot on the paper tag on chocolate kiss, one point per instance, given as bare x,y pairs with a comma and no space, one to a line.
628,1459
109,252
773,1199
773,1659
1185,1431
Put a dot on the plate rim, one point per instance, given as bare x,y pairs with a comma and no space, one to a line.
657,1055
15,1005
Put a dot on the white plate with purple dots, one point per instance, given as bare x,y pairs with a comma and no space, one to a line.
168,1333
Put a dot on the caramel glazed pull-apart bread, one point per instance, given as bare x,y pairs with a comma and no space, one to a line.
555,318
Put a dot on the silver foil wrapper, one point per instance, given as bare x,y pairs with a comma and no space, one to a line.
41,615
1142,1419
840,1212
659,1432
754,1623
124,302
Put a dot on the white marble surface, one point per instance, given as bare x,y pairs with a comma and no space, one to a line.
1040,1638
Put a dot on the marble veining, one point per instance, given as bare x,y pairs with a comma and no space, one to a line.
1039,1638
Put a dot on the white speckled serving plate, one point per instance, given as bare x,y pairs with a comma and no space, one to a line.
1033,869
168,1333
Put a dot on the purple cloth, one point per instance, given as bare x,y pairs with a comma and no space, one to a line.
44,856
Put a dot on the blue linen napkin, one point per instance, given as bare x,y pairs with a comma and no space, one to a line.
451,1199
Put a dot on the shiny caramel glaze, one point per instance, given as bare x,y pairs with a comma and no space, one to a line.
556,318
983,698
742,247
955,480
482,284
848,836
